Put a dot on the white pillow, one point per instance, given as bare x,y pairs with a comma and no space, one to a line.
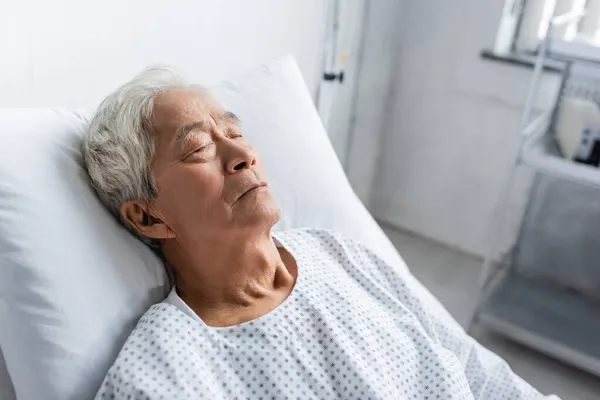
73,282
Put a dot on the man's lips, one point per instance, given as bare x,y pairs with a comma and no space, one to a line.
255,187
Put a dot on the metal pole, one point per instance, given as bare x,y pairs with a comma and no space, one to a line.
502,206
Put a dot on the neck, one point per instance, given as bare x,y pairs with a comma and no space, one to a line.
223,276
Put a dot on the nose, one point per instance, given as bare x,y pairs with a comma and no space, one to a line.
240,157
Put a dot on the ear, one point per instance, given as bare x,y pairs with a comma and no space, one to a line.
138,214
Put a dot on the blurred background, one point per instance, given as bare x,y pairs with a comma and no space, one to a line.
470,129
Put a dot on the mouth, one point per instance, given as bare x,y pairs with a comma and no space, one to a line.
254,188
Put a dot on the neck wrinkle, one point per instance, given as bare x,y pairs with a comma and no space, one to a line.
240,271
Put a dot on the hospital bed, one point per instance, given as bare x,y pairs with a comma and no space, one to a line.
73,282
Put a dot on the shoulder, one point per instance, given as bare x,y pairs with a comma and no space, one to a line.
322,238
325,240
331,246
147,357
326,247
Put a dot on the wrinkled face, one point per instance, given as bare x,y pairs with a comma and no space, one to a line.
209,179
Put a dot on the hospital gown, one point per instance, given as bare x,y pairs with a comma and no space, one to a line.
350,329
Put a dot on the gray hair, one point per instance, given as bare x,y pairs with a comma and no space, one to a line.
120,144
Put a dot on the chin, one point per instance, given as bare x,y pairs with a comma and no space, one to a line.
260,212
268,213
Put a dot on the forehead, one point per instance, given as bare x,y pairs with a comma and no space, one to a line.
176,107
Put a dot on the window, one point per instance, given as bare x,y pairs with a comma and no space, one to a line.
531,19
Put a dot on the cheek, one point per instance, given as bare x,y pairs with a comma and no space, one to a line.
189,189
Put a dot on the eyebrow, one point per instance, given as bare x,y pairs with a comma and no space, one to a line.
183,132
231,117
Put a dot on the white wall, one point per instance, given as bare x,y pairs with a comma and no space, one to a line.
72,52
452,126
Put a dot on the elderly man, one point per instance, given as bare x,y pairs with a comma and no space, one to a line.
256,314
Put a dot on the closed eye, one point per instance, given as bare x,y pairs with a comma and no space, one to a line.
205,147
200,150
234,135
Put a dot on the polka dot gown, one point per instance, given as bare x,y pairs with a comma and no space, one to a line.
350,329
